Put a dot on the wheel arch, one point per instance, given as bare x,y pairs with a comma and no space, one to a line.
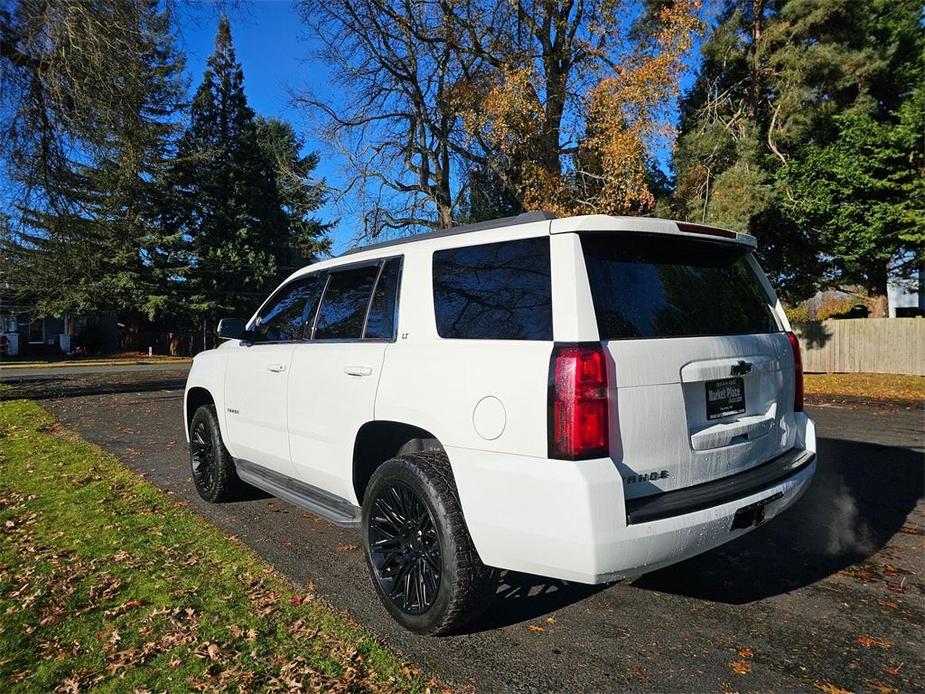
196,397
381,440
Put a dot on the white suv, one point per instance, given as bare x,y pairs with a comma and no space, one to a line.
587,399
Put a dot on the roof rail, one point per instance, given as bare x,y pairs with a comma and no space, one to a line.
523,218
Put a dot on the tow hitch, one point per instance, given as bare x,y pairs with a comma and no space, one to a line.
753,514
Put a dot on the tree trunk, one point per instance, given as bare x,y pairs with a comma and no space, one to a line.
877,301
756,87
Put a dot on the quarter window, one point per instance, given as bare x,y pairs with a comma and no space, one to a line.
289,310
495,291
346,299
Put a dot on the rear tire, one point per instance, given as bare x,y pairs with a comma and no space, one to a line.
421,559
211,466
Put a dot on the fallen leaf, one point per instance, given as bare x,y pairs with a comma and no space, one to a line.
746,653
829,688
740,667
639,672
347,548
214,651
536,628
869,641
550,620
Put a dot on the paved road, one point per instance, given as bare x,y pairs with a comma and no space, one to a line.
805,593
8,374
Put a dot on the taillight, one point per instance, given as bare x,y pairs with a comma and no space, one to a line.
578,412
797,373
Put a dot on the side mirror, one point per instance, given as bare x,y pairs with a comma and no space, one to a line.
231,329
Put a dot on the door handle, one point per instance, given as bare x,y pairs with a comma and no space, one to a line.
358,371
276,368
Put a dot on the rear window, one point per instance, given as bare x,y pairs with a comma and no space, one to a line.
495,291
658,286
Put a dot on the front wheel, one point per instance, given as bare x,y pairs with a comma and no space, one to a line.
211,465
420,555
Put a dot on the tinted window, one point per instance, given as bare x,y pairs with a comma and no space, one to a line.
289,310
343,308
651,286
381,321
497,291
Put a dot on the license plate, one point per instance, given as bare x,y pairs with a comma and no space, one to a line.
725,397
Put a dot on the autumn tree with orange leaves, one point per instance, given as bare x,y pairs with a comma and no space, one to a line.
616,91
559,103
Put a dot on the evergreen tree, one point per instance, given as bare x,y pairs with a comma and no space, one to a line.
88,246
300,194
799,129
229,210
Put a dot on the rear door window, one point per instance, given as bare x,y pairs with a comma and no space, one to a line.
383,308
346,299
494,291
664,286
288,312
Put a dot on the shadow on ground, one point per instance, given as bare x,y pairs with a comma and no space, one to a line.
860,497
47,387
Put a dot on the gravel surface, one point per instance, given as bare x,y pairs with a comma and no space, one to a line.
832,592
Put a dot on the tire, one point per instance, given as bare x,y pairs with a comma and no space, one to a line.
421,559
211,466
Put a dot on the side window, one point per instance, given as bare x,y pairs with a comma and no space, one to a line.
496,291
343,308
382,309
289,310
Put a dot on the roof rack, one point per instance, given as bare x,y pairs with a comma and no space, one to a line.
523,218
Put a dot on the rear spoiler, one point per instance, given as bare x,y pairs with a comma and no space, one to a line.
648,225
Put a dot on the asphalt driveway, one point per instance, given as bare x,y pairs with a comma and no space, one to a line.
830,593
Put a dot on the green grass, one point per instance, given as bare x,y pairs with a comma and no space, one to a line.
106,582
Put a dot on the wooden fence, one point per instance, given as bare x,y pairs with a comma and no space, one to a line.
872,345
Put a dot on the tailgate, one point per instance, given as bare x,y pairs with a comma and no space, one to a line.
703,370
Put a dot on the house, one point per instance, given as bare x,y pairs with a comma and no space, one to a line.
26,333
907,295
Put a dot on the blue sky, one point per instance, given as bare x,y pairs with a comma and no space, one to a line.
276,56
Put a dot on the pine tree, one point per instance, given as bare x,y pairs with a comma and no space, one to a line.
88,246
300,194
229,210
797,129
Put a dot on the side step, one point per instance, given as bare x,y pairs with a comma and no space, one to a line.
329,506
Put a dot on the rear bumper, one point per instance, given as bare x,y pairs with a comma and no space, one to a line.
569,520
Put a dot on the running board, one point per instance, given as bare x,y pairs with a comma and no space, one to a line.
329,506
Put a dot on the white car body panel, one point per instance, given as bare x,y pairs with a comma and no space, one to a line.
486,402
322,429
256,384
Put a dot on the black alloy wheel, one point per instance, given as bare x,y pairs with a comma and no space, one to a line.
404,548
202,454
420,555
211,466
